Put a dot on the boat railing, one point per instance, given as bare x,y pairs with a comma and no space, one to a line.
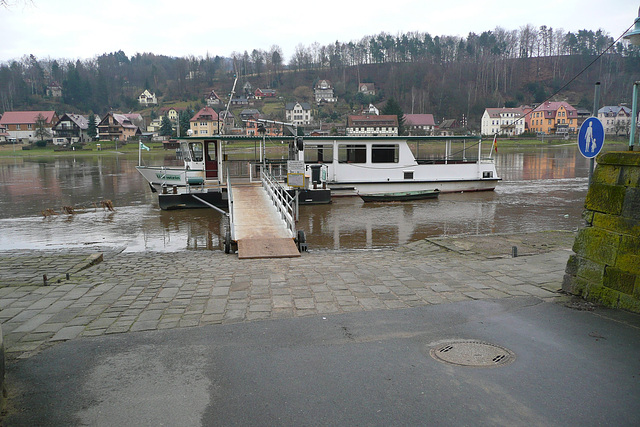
277,169
284,202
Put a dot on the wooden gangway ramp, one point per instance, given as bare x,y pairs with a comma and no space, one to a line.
259,230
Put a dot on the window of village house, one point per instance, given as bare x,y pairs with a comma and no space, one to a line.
318,153
352,153
17,127
384,153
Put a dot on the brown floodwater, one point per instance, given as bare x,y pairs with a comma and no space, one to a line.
541,189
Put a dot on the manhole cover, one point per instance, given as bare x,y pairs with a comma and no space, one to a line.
472,353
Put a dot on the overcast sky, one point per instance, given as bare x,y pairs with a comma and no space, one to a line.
72,29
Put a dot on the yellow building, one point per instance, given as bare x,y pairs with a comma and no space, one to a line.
554,118
205,123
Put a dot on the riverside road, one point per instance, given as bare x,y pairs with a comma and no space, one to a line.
330,338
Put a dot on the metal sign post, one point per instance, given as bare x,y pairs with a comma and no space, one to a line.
591,140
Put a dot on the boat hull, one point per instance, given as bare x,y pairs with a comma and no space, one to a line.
181,177
457,186
187,201
399,197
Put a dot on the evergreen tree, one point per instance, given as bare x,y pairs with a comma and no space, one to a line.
185,125
166,129
393,108
92,130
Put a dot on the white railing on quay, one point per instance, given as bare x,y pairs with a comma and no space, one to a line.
230,201
281,199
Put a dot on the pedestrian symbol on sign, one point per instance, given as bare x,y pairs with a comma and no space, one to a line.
591,137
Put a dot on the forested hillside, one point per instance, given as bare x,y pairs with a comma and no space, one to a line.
446,76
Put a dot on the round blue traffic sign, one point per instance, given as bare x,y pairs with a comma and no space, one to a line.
591,137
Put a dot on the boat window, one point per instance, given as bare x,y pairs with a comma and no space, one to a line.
318,153
384,153
186,153
408,174
211,151
196,151
352,153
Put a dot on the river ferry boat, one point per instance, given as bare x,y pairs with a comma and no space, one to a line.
372,165
333,166
203,179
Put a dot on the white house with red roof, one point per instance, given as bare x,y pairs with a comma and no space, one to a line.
503,121
419,124
22,124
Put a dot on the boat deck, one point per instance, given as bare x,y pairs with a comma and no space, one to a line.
259,230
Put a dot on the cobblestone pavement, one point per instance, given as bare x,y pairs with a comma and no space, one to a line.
129,292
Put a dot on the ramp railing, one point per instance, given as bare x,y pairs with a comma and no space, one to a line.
285,204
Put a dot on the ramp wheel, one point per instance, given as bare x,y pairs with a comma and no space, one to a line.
301,240
227,242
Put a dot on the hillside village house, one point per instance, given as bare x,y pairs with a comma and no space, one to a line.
155,125
249,114
22,124
206,122
503,121
117,127
147,98
74,128
615,119
212,99
419,124
298,113
239,101
367,88
228,119
54,90
372,125
264,93
554,118
172,113
324,92
449,127
371,109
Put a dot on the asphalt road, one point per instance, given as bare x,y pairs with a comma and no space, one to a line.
571,367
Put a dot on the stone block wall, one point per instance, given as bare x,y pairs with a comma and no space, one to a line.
606,265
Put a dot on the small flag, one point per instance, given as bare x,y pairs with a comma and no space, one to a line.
495,142
144,147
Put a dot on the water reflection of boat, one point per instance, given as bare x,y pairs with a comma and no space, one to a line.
399,196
